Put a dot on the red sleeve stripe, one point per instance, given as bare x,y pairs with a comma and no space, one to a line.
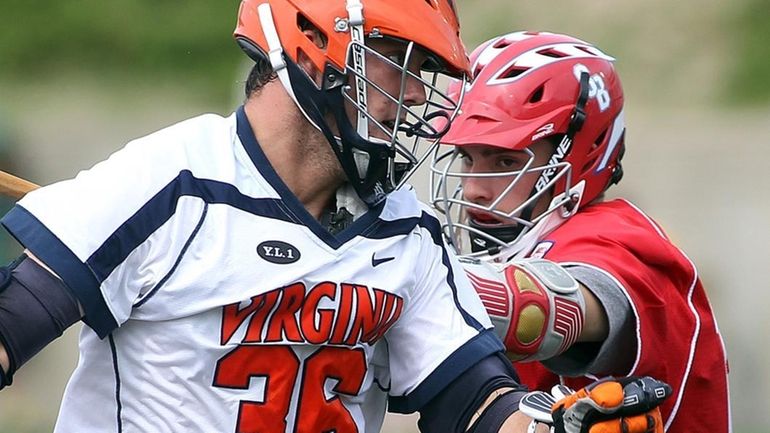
568,321
494,295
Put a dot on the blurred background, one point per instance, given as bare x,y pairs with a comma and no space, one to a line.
80,78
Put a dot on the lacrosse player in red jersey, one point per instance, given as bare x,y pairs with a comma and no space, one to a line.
587,287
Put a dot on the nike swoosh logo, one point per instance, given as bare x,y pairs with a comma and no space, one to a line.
377,262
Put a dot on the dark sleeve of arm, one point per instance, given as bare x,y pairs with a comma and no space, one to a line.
617,353
35,309
451,410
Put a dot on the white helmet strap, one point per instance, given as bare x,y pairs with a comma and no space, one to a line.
275,55
356,25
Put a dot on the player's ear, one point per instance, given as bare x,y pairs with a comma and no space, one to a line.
319,40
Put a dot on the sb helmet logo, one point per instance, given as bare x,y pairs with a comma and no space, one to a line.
596,87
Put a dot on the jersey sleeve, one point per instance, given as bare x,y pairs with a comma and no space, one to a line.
99,232
617,352
655,279
675,338
443,331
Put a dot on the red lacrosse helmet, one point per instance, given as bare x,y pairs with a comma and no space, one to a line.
274,30
527,87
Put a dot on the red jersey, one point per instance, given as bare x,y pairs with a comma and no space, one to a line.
677,336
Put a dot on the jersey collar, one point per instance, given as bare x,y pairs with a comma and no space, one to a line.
299,214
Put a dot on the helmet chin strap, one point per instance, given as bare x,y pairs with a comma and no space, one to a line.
356,24
275,55
505,233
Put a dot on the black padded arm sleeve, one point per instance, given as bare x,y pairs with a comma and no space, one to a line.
35,309
451,410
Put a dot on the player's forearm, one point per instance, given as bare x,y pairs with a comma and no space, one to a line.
596,325
492,397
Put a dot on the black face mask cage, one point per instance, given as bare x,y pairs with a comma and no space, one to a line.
317,105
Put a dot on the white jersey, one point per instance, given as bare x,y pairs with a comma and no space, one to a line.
216,303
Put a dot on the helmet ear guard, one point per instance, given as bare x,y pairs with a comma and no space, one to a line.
576,122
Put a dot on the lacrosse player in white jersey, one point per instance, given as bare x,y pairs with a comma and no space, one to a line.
264,272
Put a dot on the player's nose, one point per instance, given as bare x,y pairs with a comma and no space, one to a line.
414,92
477,190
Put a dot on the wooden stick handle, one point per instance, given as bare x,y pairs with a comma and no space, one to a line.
14,187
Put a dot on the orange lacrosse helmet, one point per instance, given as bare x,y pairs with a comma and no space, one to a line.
275,30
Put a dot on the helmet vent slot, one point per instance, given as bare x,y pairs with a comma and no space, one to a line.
550,52
599,140
514,72
586,50
304,24
502,43
537,95
452,5
588,166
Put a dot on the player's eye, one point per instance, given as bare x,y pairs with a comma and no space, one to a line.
510,162
397,57
465,159
417,60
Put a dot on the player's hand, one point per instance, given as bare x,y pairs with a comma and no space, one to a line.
624,405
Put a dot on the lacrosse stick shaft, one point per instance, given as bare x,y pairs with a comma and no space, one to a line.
14,187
